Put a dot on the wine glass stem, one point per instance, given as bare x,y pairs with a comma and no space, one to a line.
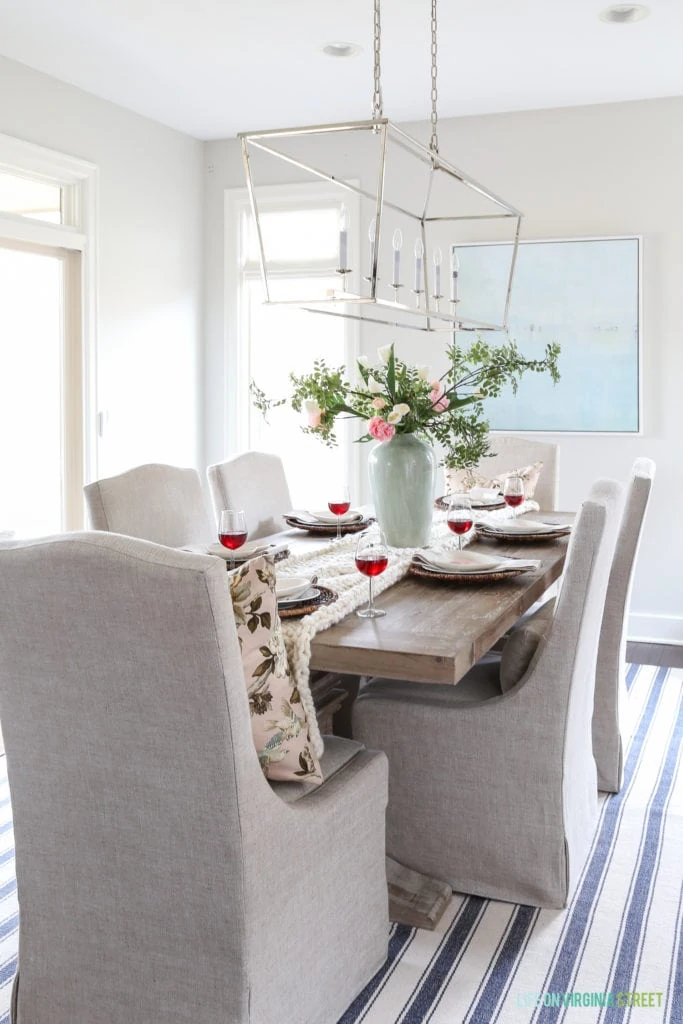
371,606
338,527
459,542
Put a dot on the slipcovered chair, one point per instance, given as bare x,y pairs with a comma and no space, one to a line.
160,503
514,453
496,792
160,877
610,678
255,482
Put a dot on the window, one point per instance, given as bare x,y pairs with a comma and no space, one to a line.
46,337
300,232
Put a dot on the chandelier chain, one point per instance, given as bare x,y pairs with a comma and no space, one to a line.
377,95
434,141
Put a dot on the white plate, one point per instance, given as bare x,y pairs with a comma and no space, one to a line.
513,526
468,562
291,587
326,518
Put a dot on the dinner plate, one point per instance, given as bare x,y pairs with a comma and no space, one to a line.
477,503
507,537
482,576
324,530
324,517
310,601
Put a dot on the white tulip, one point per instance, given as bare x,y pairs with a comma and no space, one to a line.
363,360
310,405
383,353
423,372
374,387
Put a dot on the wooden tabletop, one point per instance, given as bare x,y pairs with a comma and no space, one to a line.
435,632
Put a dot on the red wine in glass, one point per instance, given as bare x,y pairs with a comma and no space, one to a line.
232,540
371,565
372,558
513,500
232,530
338,508
460,526
340,503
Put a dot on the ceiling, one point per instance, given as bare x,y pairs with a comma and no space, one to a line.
212,68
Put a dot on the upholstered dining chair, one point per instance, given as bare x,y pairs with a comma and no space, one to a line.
610,676
514,452
255,482
154,502
160,876
496,792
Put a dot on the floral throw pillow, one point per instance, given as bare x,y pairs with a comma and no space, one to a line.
278,720
466,479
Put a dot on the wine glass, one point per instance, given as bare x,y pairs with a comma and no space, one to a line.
372,558
459,516
339,503
513,493
232,531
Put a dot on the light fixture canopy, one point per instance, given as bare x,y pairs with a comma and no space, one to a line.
624,14
418,194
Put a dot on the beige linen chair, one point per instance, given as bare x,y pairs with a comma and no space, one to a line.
515,452
496,793
255,482
160,503
610,679
160,877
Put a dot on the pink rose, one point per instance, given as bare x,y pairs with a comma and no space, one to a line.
314,418
436,396
380,429
378,403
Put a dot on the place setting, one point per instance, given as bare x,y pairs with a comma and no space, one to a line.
335,521
452,565
301,595
485,499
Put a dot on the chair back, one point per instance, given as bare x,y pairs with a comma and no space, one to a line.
610,684
160,503
131,770
255,482
516,452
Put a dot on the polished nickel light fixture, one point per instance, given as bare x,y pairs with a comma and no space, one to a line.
417,191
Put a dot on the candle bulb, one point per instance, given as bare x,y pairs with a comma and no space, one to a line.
397,243
419,253
438,257
343,238
372,229
455,269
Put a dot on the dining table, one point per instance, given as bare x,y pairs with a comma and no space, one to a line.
435,631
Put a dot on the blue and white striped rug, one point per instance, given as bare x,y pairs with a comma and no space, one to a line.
488,962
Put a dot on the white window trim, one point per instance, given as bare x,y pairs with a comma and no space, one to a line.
236,371
79,180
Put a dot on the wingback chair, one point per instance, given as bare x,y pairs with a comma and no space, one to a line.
514,453
610,678
160,503
255,482
496,792
160,877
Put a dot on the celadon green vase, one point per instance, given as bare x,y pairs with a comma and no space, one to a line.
402,473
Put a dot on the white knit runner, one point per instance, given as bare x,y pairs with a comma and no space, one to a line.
335,567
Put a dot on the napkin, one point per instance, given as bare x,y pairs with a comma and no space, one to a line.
324,518
513,526
484,494
251,550
446,560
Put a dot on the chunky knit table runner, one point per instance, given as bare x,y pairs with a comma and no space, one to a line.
335,567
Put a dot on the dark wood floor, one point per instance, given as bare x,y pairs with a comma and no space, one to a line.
670,655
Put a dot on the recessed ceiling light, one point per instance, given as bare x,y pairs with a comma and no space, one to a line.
342,49
624,14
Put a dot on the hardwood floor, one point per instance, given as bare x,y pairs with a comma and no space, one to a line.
670,655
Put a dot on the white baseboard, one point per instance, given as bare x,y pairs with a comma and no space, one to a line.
656,629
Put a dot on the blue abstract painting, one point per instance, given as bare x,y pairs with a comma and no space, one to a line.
582,294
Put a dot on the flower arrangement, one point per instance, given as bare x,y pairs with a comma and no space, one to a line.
393,397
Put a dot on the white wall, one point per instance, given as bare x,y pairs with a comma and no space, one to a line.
149,261
600,170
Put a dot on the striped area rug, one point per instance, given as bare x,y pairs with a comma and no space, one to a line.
488,961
